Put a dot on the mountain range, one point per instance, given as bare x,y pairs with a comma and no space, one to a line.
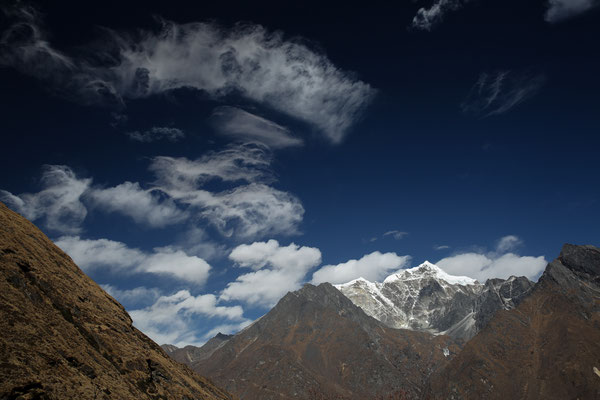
423,334
419,334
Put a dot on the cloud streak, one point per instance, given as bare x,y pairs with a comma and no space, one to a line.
156,133
246,60
427,18
242,125
240,204
498,92
559,10
58,203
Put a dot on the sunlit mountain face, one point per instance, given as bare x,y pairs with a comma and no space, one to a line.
200,161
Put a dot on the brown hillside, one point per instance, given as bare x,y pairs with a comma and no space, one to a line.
63,337
546,348
316,344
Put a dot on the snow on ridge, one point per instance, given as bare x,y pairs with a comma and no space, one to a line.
419,271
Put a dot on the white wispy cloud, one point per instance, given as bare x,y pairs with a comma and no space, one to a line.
171,319
499,263
156,133
236,163
398,235
58,203
498,92
138,296
115,256
237,123
373,267
246,211
276,271
427,18
559,10
146,207
246,208
441,247
248,60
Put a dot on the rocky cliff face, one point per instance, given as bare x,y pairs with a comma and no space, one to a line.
425,298
316,342
548,347
63,337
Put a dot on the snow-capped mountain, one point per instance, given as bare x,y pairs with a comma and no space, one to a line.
426,298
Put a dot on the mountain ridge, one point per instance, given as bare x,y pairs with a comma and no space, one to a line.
426,298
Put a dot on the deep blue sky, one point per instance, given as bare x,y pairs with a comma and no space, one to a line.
422,157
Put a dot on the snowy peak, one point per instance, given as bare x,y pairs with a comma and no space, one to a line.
429,270
427,298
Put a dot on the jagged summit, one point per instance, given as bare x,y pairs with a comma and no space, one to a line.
428,269
429,299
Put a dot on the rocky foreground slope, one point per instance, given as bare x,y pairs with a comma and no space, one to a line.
548,347
63,337
426,298
316,344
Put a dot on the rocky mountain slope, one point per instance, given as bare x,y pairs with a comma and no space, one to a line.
548,347
425,298
63,337
315,340
190,354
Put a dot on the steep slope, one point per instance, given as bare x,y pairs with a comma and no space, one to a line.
426,298
63,337
546,348
315,340
190,354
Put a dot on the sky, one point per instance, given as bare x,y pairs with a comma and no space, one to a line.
200,161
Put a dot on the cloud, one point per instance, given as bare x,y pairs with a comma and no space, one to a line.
171,319
498,92
373,267
58,203
276,271
508,243
135,297
427,18
559,10
246,60
240,124
396,234
500,263
91,254
236,163
245,211
144,206
156,133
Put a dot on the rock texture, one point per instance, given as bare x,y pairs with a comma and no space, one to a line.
425,298
546,348
316,341
63,337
